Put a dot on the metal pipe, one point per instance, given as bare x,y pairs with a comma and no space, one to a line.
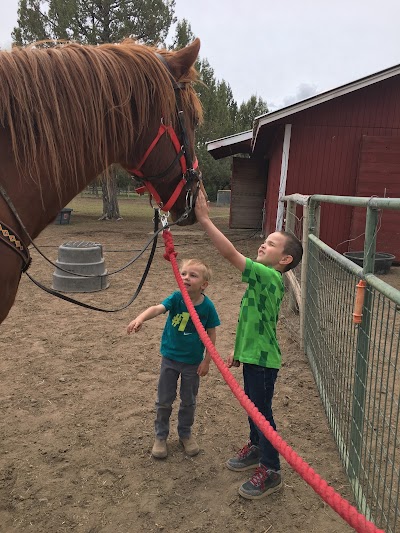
300,199
372,201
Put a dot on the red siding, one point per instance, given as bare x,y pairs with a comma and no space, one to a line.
379,174
324,152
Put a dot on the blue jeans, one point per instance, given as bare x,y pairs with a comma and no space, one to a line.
259,385
167,388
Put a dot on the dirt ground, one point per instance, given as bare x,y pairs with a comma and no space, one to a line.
77,403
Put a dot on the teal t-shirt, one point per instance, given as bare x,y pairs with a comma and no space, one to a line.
256,341
180,340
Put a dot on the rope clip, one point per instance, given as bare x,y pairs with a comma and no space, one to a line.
164,218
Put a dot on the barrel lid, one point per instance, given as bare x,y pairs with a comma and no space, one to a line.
80,244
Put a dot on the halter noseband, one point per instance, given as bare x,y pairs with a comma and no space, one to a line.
188,167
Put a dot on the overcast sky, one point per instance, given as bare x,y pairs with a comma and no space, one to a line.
284,51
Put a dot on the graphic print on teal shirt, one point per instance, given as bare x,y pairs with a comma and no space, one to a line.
256,341
180,340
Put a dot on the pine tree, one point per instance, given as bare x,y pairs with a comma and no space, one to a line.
222,116
94,22
248,111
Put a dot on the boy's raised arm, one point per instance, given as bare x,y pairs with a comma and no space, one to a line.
149,313
222,244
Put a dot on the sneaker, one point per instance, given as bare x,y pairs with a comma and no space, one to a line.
190,445
263,482
246,459
159,450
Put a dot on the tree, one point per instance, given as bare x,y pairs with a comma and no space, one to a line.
248,111
222,115
31,23
183,35
217,101
109,193
95,22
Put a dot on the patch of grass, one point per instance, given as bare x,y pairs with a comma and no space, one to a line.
137,207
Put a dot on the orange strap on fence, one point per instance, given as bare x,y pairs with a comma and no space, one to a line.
348,512
359,301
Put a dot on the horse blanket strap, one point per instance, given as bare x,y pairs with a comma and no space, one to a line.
9,237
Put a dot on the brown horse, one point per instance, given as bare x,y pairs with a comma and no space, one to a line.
68,112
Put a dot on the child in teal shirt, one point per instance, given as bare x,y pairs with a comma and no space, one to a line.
182,355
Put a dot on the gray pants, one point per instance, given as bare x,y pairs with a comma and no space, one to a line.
167,387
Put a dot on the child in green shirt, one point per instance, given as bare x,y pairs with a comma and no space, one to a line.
256,344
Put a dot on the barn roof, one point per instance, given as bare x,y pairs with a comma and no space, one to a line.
245,142
239,143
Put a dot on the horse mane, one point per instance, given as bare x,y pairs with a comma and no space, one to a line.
73,105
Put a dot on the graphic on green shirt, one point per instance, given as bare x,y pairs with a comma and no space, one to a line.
256,341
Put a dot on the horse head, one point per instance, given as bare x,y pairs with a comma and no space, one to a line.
70,111
167,166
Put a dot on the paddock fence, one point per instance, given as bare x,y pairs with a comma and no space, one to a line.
350,333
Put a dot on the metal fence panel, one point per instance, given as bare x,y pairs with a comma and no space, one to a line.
356,365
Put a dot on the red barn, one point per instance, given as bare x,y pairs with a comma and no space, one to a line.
342,142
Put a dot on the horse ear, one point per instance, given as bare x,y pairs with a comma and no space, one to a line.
182,60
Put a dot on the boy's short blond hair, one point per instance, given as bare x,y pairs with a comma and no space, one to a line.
205,269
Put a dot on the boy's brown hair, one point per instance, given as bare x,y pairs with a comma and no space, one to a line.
292,247
205,269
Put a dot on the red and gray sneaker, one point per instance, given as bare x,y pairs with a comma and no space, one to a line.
263,482
246,459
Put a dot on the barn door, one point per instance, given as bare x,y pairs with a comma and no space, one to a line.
248,189
378,175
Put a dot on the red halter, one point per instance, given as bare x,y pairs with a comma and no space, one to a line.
180,155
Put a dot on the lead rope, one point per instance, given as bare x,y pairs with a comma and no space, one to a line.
347,511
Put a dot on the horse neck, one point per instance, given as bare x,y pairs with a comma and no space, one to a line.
37,205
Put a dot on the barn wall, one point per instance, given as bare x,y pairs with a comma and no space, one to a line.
379,174
248,186
325,148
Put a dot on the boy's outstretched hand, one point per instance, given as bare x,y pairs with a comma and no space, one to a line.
135,326
201,207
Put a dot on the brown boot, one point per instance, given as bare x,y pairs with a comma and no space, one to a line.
159,448
190,445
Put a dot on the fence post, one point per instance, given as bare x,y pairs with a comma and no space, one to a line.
290,220
308,227
362,351
309,276
290,226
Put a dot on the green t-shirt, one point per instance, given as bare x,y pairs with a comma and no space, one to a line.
256,341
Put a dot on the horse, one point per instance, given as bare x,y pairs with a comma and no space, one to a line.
67,112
